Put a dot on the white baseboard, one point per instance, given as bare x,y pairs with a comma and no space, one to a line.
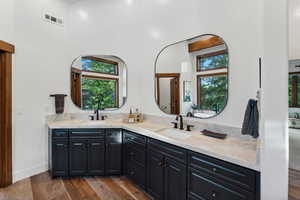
22,174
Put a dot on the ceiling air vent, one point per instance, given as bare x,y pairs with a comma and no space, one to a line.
52,19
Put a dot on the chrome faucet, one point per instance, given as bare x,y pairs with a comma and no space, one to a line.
180,121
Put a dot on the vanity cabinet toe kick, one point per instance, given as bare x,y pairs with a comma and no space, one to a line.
164,171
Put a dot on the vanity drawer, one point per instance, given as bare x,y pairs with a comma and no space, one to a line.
99,133
59,133
169,150
135,138
202,186
231,173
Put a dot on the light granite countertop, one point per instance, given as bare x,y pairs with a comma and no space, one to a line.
231,149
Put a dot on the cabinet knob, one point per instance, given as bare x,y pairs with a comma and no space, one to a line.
214,169
214,195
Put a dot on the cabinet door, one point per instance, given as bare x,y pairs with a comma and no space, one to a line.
175,180
155,175
78,157
113,155
60,157
96,155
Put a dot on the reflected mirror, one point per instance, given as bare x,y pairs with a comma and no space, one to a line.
98,82
191,77
294,83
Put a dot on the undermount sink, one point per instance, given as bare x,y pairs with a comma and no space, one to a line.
175,133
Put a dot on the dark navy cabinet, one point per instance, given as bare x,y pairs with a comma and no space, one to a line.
61,156
164,171
134,154
113,155
85,152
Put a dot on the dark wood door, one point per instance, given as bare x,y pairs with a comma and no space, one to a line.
113,155
78,157
174,87
175,180
60,157
6,51
155,175
96,157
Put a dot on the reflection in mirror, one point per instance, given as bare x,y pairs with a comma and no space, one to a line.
98,82
191,77
294,83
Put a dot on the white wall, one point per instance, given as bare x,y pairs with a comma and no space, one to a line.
6,20
274,146
294,29
41,68
165,94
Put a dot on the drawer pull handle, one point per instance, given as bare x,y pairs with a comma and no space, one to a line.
214,194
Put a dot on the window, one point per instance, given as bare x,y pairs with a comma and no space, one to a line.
212,92
101,90
99,65
294,90
216,60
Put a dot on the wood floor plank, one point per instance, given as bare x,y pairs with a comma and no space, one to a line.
102,189
294,184
131,189
46,188
116,188
19,191
79,189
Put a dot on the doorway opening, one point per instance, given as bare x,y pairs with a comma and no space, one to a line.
168,92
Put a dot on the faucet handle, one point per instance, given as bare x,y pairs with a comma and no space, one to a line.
103,117
175,124
92,117
188,127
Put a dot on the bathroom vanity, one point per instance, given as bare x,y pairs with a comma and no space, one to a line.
164,168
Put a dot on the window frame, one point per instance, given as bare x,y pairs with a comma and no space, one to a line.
106,78
294,96
116,64
199,57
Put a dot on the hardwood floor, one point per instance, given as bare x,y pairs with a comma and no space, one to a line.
294,184
43,187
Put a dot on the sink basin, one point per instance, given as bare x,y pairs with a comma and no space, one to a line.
175,133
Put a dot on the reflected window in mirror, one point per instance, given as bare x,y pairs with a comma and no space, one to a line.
98,82
192,77
99,65
99,92
212,61
294,89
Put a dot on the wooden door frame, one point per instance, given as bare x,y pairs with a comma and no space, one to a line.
6,51
166,75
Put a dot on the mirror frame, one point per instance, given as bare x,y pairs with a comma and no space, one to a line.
113,110
228,75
